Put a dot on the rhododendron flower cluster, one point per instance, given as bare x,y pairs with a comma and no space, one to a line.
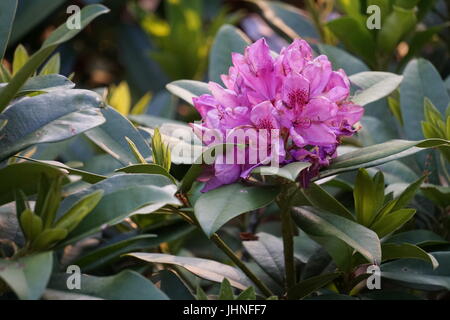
298,100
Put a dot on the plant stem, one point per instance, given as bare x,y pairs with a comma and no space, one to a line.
288,245
227,250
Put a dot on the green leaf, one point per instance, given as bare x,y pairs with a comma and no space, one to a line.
216,207
20,59
325,227
111,137
392,221
226,291
438,194
30,14
137,155
47,83
123,195
415,87
31,224
7,14
393,251
374,86
85,176
228,39
148,168
407,195
378,154
126,285
160,151
341,59
289,172
368,198
397,24
287,20
267,251
188,89
52,66
108,254
419,238
355,36
24,176
60,35
48,238
321,199
308,286
28,276
173,286
56,116
206,269
72,218
247,294
419,274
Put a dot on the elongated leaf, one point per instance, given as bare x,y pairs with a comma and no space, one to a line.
308,286
341,59
216,207
374,86
438,194
267,251
24,176
419,238
188,89
60,35
85,176
320,198
149,168
287,20
49,118
28,276
289,171
206,269
321,225
78,212
123,195
173,286
7,14
109,253
355,36
47,83
406,250
392,221
378,154
126,285
20,59
111,137
420,274
228,39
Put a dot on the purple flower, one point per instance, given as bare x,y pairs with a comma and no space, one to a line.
293,107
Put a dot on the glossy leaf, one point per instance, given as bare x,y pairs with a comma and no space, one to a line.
378,154
206,269
308,286
406,250
24,176
58,36
188,89
323,226
267,251
28,276
374,86
216,207
289,172
420,274
228,39
123,195
111,137
56,116
126,285
7,14
341,59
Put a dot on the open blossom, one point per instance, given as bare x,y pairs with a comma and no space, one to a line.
297,100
